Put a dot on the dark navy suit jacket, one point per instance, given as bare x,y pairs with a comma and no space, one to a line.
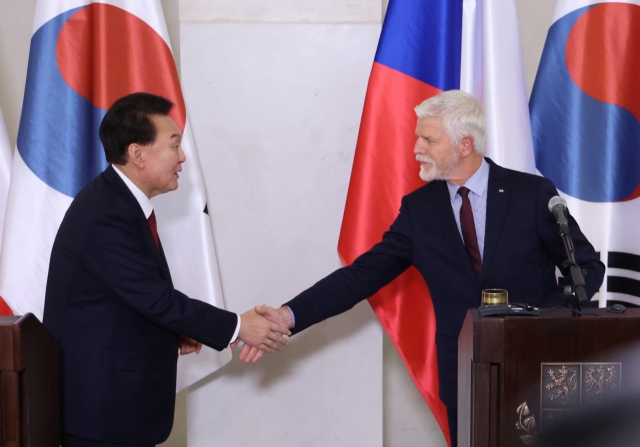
521,251
112,307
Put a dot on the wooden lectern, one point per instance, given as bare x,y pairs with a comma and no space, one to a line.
29,384
517,373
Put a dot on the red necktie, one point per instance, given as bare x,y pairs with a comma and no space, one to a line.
468,228
154,228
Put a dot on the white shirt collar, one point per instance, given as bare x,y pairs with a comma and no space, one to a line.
143,200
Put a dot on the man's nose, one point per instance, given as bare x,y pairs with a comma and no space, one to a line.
182,157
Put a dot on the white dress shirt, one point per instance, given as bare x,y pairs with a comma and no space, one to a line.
147,209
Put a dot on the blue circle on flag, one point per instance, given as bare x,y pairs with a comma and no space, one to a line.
58,135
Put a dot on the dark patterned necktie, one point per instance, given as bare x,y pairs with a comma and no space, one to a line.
468,227
154,228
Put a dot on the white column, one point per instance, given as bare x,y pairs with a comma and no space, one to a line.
275,94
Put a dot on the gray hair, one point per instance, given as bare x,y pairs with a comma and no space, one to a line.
460,113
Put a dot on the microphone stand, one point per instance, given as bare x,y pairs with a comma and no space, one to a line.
576,295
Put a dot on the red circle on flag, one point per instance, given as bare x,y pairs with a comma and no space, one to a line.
105,53
603,54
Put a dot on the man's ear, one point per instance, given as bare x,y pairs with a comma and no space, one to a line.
135,154
466,145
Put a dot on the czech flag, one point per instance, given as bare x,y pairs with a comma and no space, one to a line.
426,47
585,116
84,55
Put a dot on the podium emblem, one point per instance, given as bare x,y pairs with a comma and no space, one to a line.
564,387
567,386
560,386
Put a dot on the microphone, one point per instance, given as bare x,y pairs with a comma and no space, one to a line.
577,294
558,206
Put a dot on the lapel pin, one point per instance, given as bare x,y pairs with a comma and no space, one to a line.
501,190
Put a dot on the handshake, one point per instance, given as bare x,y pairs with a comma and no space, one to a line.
261,329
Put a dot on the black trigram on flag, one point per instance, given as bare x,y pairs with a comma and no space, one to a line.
622,284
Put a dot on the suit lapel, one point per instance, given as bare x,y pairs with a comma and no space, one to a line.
443,213
116,182
498,193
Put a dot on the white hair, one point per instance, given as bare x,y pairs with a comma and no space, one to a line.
460,113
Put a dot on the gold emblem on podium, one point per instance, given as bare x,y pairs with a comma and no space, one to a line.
562,385
525,423
566,386
599,381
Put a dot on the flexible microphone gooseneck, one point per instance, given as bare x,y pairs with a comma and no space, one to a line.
577,296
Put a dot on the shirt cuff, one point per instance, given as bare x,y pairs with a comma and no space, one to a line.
237,331
293,316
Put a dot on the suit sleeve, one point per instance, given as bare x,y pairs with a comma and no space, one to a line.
117,256
585,254
344,288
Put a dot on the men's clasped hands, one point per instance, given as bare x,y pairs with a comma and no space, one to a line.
261,330
264,331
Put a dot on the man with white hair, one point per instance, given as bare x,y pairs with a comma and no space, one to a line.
475,226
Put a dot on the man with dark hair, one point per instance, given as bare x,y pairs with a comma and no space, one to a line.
110,301
128,121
